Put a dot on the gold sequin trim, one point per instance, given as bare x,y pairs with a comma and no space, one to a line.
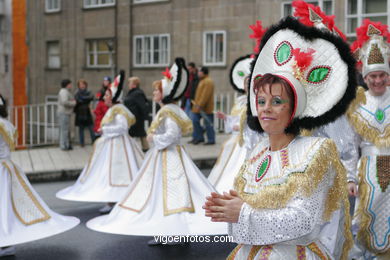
9,138
185,125
242,126
37,204
277,196
233,254
118,110
375,56
362,127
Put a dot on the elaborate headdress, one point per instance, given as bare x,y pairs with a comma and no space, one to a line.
117,86
316,62
371,47
239,71
175,81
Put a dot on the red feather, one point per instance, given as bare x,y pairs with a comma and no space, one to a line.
303,59
303,15
167,73
361,32
258,31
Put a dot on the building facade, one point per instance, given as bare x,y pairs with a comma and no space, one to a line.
91,39
6,50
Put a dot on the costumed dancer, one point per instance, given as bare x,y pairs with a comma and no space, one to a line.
115,159
234,151
369,117
167,196
290,199
24,216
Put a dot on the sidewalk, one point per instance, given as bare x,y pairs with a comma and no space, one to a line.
51,163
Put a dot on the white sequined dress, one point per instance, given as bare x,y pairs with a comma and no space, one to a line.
114,162
24,216
167,196
295,203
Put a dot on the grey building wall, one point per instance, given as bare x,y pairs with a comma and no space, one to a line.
184,20
6,50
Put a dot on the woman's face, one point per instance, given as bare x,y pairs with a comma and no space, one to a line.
273,108
107,98
157,95
82,86
106,83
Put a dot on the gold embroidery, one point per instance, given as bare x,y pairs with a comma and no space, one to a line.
277,196
185,125
165,186
37,204
242,126
118,110
316,250
233,254
9,138
253,252
362,127
365,218
136,184
301,252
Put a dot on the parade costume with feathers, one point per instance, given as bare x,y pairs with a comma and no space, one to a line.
115,159
24,216
167,196
295,199
234,151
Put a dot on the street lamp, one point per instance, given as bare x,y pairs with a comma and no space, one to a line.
110,45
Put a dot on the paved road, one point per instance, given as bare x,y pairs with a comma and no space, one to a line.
82,243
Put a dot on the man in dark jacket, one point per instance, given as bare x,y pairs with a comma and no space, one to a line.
190,92
136,102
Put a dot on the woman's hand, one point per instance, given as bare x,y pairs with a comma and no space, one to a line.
236,128
352,189
223,208
150,138
220,115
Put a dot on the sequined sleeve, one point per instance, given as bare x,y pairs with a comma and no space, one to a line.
117,127
230,122
301,220
171,134
347,142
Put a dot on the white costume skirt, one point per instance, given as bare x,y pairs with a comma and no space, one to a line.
165,199
24,216
229,162
113,165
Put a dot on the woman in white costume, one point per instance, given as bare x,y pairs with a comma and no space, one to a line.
24,216
116,157
235,150
290,199
167,196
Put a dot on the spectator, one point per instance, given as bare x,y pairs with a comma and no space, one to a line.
203,107
136,102
191,89
66,104
83,111
105,85
100,111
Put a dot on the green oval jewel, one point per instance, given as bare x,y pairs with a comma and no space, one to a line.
240,73
283,53
380,115
262,169
319,74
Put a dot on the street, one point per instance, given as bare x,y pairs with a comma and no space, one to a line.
82,243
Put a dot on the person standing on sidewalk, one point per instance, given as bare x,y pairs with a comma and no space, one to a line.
136,102
203,107
191,90
83,111
66,103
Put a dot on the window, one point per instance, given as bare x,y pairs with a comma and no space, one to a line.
98,3
358,10
147,1
151,50
52,6
53,55
214,48
325,5
99,53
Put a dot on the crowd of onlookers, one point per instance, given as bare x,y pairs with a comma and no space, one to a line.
89,109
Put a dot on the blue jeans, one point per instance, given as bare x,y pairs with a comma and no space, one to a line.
187,108
197,135
81,133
